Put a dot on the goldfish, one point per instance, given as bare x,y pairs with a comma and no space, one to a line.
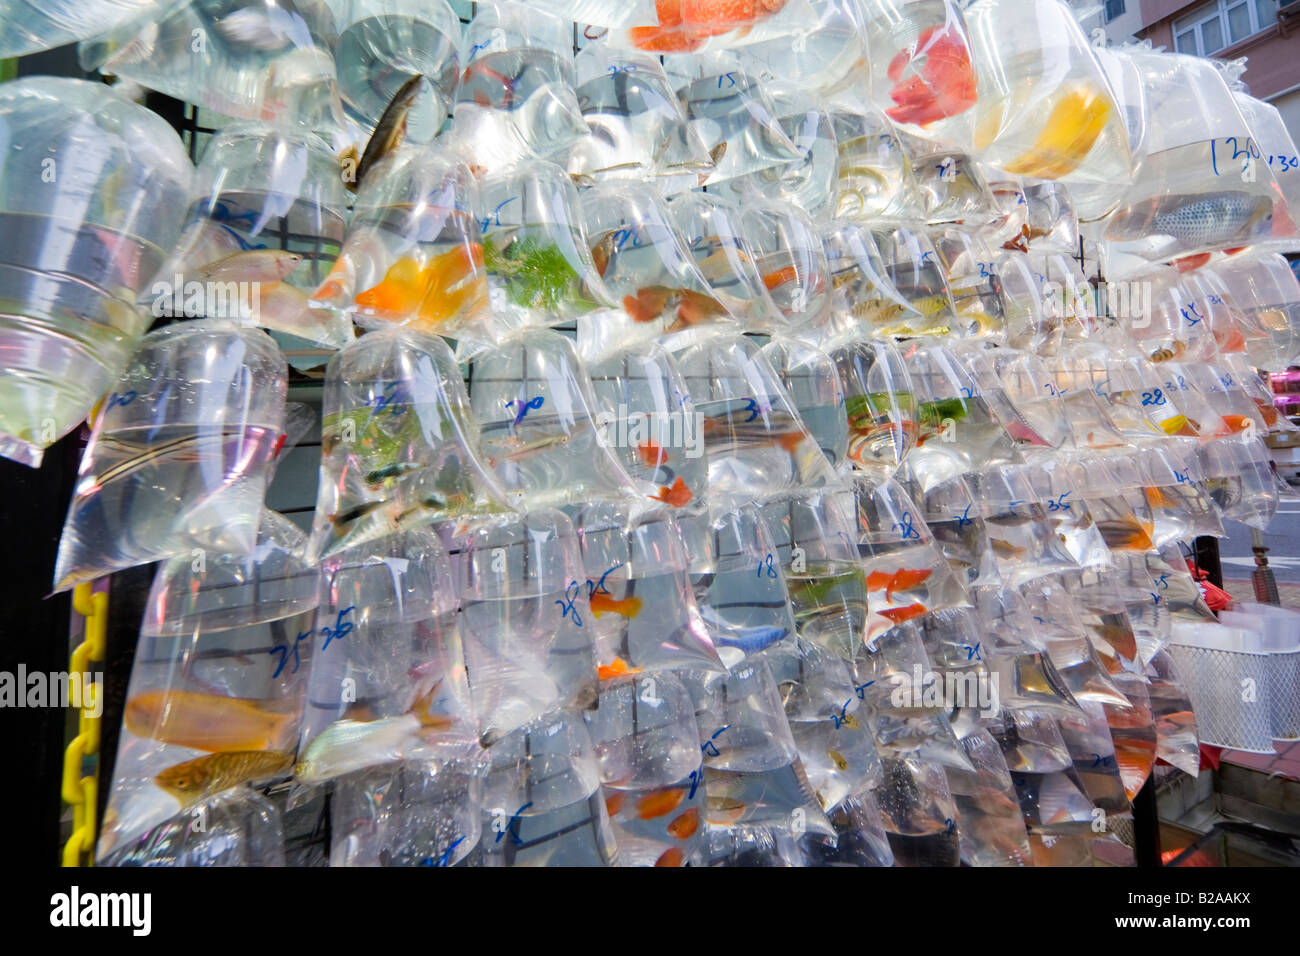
1230,340
774,280
602,604
652,454
1192,263
207,721
1238,423
1156,498
617,669
659,803
692,307
837,758
933,79
1005,549
677,496
684,25
671,857
433,292
898,615
1126,534
685,825
901,580
1068,136
614,802
193,780
1121,639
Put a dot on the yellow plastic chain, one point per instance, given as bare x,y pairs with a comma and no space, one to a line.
82,791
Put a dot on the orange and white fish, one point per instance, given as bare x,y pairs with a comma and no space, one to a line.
684,25
678,496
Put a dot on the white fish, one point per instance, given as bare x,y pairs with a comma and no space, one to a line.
348,745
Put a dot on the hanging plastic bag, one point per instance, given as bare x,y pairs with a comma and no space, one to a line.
638,128
515,100
413,253
216,691
880,403
263,233
812,381
875,177
651,769
398,444
388,670
542,803
919,813
863,295
128,179
180,454
240,828
256,60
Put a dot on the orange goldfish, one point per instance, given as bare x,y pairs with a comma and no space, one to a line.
677,496
207,721
618,668
780,277
1156,498
671,857
933,79
602,603
685,825
900,614
1191,263
1230,340
659,803
684,25
206,776
1237,423
652,454
614,802
904,579
433,292
692,307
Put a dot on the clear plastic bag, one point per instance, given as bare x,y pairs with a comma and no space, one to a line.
515,100
813,383
648,266
263,233
1239,480
973,283
880,403
756,443
790,259
922,72
28,29
915,270
257,60
752,772
1177,742
398,444
1031,741
240,828
813,533
990,825
639,590
1046,110
874,178
533,401
919,813
180,455
733,115
949,183
638,128
388,672
517,576
651,769
410,813
743,599
1202,186
543,803
863,295
413,253
79,249
383,43
216,692
1268,294
823,52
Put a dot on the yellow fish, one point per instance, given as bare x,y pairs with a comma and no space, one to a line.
193,780
1070,133
432,292
207,721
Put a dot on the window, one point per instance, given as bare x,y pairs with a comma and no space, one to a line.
1114,8
1220,24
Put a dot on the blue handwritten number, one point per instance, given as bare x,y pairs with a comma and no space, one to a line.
341,628
771,569
906,528
697,778
121,400
567,606
710,747
283,651
964,518
524,406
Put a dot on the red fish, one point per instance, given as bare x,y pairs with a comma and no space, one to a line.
780,277
684,25
671,857
614,803
1191,263
1237,423
934,79
904,579
900,614
616,669
652,454
647,305
677,496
